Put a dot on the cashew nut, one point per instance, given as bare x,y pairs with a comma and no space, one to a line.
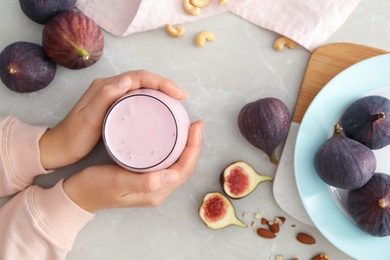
175,32
202,37
199,3
222,2
190,8
284,41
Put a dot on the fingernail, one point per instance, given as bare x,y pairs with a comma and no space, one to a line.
124,82
170,177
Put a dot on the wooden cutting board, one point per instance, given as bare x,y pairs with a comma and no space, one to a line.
325,63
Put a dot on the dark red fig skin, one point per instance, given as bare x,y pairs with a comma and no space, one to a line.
265,124
344,163
73,40
370,205
367,120
25,67
40,11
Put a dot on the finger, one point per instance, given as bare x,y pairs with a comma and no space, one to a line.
146,79
187,161
106,96
143,183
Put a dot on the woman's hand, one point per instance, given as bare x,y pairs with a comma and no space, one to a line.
77,134
109,186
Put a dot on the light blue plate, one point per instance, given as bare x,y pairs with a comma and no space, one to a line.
366,76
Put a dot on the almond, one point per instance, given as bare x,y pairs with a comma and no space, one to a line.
306,239
265,233
280,220
321,257
273,226
264,221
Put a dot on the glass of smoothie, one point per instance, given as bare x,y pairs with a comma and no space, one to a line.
145,130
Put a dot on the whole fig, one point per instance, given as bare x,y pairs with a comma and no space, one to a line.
344,163
365,121
40,11
25,67
265,123
370,205
73,40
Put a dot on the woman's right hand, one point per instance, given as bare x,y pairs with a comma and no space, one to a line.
109,186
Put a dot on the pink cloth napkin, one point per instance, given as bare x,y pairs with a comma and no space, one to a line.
308,22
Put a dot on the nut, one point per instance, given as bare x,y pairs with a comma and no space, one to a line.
264,221
258,215
306,239
321,257
265,233
202,37
280,220
273,226
175,32
253,224
190,8
199,3
284,41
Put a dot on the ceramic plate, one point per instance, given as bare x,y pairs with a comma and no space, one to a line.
322,204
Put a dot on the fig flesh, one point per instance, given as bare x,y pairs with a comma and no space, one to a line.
218,212
239,179
370,205
367,120
344,163
73,40
25,67
40,11
265,123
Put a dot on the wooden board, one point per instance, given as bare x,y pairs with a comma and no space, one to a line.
325,63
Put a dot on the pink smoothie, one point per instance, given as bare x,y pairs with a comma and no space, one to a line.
146,130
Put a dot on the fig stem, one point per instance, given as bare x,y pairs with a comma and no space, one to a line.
381,203
11,70
337,129
273,159
236,221
379,116
82,53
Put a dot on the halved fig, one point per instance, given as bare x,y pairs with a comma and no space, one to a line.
218,212
239,179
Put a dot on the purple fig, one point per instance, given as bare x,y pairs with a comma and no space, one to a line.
25,67
40,11
344,163
239,179
217,212
73,40
265,123
367,120
370,205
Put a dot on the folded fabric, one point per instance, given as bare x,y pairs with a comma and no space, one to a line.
308,22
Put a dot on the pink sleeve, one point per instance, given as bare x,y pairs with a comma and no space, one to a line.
40,224
20,159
